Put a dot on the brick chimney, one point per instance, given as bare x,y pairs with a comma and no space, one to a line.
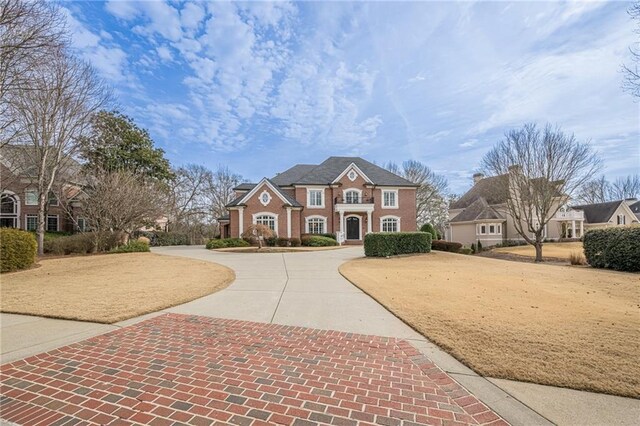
477,177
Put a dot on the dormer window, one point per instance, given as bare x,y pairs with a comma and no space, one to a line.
352,175
265,198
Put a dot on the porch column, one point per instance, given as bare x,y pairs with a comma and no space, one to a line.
342,222
573,229
288,222
581,228
240,221
368,222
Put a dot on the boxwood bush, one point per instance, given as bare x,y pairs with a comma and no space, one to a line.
17,249
226,243
427,227
132,246
382,244
442,245
613,248
317,241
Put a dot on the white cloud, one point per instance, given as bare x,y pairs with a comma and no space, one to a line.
164,53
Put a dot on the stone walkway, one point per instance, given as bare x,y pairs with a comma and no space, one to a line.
180,369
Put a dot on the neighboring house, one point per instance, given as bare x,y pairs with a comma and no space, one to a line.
348,196
19,196
481,214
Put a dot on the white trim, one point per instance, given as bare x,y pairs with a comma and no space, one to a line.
240,221
26,221
16,215
354,167
35,191
288,222
397,198
397,218
344,194
46,228
255,189
322,198
359,226
275,216
315,216
262,194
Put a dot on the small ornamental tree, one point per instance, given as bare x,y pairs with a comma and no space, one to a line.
259,232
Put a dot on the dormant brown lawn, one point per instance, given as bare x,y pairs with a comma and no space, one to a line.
557,250
109,288
557,325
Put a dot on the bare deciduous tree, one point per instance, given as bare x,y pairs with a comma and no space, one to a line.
29,32
544,168
632,71
431,199
601,190
189,202
121,201
221,190
52,114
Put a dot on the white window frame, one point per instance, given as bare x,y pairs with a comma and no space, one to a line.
321,205
389,217
26,197
82,228
261,196
621,219
346,191
323,219
15,216
57,223
396,194
26,221
52,195
497,228
275,218
352,175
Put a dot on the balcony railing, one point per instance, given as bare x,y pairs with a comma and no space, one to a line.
354,200
570,215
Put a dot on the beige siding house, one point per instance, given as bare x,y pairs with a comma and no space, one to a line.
481,215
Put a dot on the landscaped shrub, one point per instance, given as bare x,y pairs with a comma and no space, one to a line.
295,242
466,250
473,248
613,248
442,245
17,249
382,244
282,242
226,243
83,243
427,227
317,241
271,241
327,235
511,243
169,239
479,246
145,240
132,246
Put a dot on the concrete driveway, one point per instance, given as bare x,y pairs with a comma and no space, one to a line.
305,289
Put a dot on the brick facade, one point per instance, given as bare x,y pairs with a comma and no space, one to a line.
291,206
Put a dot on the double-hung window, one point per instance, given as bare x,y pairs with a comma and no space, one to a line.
32,222
390,198
52,223
315,198
315,225
390,224
31,197
267,220
352,197
621,219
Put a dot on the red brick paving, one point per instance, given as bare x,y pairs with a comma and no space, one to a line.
180,369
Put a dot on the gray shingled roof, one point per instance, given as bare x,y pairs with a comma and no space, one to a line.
491,189
599,212
246,186
293,174
635,208
478,210
327,171
290,200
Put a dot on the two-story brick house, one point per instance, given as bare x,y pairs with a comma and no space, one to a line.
348,196
19,195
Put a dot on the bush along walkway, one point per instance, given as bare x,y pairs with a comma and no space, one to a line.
197,370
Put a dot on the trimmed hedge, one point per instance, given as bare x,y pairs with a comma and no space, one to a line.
226,243
442,245
317,241
17,249
613,248
83,243
132,246
427,227
326,235
383,244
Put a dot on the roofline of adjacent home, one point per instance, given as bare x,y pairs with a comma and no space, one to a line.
465,222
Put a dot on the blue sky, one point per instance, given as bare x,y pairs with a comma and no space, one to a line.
261,86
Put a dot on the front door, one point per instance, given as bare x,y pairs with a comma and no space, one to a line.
353,228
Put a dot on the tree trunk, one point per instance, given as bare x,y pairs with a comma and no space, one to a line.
538,246
42,223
